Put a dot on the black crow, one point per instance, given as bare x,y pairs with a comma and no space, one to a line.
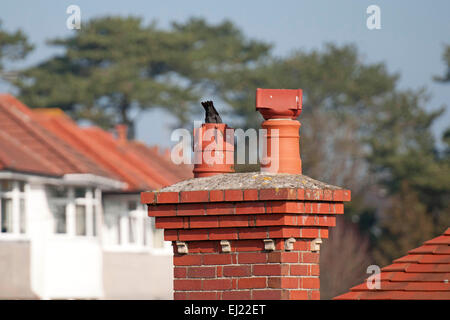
212,116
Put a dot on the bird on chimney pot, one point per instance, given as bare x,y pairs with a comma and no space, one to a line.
212,116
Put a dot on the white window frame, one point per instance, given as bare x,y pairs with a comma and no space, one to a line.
91,199
143,224
15,195
124,227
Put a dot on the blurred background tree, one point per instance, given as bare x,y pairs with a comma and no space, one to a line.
114,67
13,46
359,130
344,258
446,58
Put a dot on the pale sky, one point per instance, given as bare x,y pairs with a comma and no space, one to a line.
410,42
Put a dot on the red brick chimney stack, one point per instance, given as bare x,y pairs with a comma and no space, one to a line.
253,235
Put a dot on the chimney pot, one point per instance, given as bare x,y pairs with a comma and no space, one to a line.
279,103
280,108
122,132
212,139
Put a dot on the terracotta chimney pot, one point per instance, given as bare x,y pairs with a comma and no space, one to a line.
280,108
211,140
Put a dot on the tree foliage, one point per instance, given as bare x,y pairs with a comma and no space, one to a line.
13,46
344,258
446,59
114,66
405,225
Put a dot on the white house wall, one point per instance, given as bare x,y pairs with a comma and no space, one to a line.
133,271
39,224
73,268
61,266
15,272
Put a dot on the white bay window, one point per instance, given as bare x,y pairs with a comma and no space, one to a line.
128,226
75,210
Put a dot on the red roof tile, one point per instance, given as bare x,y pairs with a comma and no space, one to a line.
422,274
46,141
162,162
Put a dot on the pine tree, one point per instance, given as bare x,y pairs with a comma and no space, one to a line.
115,67
13,46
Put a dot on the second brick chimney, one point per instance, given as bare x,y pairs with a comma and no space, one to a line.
252,235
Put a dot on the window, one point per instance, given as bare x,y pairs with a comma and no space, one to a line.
21,186
119,230
127,224
22,217
132,205
132,229
7,219
80,220
58,192
128,227
59,215
94,220
6,185
80,192
144,232
13,219
75,210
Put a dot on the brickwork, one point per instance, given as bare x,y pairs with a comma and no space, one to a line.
234,244
248,272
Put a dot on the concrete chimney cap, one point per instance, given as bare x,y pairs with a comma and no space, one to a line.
249,180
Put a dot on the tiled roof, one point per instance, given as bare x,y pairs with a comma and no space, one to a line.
26,146
121,158
162,162
423,274
46,141
143,172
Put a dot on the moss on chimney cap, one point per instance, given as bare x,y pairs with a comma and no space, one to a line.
249,180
